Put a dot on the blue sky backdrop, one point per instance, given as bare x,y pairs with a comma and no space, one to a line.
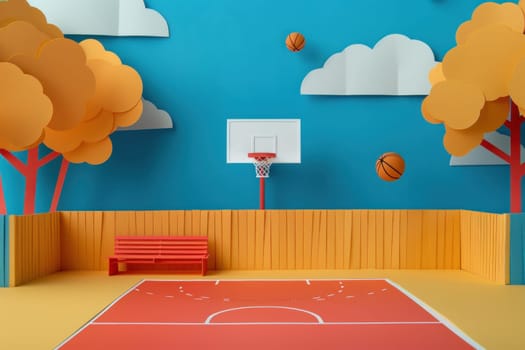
227,59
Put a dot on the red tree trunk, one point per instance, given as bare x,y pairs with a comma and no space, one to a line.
3,206
30,172
517,170
515,159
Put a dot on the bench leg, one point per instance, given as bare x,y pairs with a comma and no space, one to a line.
113,267
204,267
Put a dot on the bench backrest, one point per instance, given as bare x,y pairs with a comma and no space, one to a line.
161,245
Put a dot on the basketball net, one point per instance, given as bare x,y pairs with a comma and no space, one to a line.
262,163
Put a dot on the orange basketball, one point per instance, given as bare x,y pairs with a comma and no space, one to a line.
295,41
390,166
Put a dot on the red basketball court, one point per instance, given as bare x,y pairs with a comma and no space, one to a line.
268,314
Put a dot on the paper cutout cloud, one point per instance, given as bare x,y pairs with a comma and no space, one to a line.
396,65
481,156
104,17
152,118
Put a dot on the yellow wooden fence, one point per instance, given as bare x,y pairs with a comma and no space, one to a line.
275,239
485,245
278,239
34,247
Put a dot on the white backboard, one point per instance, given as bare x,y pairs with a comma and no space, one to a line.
280,136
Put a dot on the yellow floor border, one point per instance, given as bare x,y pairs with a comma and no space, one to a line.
42,313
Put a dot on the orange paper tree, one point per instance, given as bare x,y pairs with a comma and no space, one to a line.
54,91
480,86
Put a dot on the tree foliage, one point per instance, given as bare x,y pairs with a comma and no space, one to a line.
479,87
55,91
473,84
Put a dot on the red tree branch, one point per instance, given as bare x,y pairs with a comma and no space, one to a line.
14,161
59,185
495,150
49,157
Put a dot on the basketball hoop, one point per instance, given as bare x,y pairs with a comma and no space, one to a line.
262,162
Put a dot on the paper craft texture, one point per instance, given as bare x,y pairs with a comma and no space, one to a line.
152,118
104,17
21,123
481,156
396,65
486,70
20,10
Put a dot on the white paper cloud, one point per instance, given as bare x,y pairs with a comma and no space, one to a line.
397,65
103,17
481,156
152,118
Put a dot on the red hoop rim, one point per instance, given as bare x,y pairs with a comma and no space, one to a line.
261,155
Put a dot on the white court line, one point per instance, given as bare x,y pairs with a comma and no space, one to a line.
264,280
438,316
434,313
93,320
257,323
427,308
308,312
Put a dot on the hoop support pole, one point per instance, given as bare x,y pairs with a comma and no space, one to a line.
261,193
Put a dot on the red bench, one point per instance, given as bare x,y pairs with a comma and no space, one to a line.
159,250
